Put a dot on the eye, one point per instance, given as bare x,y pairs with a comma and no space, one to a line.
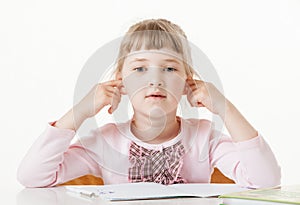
140,69
169,69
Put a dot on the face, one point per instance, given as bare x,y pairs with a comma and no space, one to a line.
154,79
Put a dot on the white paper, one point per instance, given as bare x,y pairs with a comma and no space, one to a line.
136,191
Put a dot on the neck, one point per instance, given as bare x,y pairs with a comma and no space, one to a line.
156,127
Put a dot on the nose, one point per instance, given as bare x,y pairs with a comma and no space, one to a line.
156,83
156,79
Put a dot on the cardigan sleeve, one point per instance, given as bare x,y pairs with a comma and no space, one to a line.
51,160
249,163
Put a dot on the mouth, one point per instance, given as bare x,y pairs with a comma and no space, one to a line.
156,96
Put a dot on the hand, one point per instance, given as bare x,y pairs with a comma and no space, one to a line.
102,94
204,94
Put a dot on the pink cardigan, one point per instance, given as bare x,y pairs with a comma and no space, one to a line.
104,153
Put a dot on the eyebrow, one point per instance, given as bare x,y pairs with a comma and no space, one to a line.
169,60
138,60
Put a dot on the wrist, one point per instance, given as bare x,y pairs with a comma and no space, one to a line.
79,113
237,125
71,120
225,109
64,123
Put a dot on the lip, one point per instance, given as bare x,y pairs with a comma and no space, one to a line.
156,95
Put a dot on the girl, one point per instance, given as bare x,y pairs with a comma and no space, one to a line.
156,145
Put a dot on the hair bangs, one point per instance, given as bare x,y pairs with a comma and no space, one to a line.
153,40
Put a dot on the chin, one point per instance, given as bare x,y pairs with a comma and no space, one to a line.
161,111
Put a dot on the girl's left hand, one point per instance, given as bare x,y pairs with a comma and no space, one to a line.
205,94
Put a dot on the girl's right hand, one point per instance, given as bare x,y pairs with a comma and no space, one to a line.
102,94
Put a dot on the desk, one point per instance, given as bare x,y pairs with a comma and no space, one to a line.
60,196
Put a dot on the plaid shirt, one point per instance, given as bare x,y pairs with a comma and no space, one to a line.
156,166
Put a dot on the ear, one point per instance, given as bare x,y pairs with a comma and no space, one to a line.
121,87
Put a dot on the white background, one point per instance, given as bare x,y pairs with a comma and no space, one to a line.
254,46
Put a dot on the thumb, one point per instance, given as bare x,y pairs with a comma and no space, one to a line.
110,110
115,101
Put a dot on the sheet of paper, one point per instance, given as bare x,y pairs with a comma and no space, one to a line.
136,191
128,191
207,190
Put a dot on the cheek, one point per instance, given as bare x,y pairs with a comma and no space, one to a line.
175,87
133,83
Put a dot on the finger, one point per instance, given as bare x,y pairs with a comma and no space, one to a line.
199,104
192,87
110,110
193,81
122,89
110,94
190,82
113,107
194,84
196,100
115,100
195,91
113,83
110,89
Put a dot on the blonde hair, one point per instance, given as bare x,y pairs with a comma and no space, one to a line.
155,34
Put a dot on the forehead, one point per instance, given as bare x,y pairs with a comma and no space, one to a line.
159,56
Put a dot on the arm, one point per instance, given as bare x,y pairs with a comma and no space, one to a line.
249,163
100,95
204,94
237,125
51,160
245,157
